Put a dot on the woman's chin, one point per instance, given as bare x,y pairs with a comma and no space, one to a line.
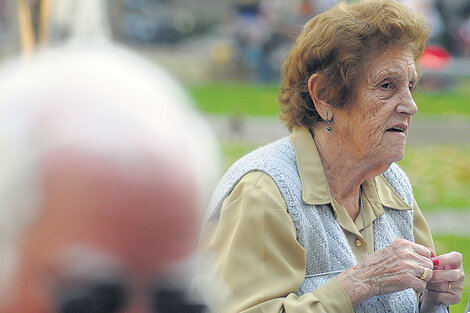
381,164
398,155
393,152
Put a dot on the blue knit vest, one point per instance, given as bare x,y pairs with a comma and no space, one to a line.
327,250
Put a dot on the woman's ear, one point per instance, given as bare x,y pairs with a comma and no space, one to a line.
318,95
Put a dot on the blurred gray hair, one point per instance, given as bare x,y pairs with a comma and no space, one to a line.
103,100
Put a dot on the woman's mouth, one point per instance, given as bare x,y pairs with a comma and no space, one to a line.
400,128
396,129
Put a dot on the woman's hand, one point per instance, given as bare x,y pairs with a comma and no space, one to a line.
401,265
446,284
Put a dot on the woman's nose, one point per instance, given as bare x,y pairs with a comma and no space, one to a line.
407,104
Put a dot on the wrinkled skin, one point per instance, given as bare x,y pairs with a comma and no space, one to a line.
399,267
395,268
382,100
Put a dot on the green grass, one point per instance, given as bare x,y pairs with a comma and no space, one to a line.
233,151
446,244
440,175
445,103
261,100
248,99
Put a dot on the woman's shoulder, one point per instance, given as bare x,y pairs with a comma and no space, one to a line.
272,160
257,182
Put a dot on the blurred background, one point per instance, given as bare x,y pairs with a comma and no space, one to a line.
227,53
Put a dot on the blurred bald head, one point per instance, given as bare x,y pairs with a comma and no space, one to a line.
105,170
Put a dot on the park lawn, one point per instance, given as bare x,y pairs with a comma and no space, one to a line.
261,100
440,175
445,103
446,244
237,98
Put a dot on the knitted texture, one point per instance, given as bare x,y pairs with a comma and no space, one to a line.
318,232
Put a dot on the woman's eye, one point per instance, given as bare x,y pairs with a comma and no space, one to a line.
386,86
412,88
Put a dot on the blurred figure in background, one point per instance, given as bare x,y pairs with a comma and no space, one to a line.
43,23
85,20
252,32
104,167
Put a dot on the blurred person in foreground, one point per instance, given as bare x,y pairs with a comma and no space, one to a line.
324,220
104,168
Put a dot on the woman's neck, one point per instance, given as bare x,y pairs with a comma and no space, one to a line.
344,170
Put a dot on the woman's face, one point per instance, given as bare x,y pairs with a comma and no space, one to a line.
374,123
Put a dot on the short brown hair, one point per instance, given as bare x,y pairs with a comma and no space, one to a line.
338,44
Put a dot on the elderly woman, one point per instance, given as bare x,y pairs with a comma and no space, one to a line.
324,220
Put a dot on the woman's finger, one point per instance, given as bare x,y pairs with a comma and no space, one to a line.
422,250
447,298
424,273
454,259
447,276
407,249
440,286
